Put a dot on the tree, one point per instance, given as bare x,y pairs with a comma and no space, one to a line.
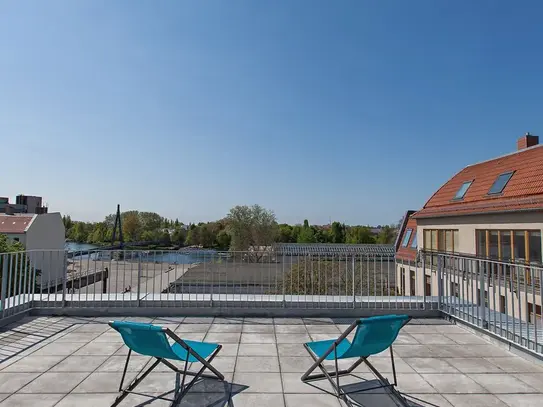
179,235
285,234
337,233
150,221
131,226
223,240
193,237
386,235
359,235
307,235
251,228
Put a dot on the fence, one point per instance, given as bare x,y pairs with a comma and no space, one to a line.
501,298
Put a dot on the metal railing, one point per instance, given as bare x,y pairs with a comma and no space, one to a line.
502,298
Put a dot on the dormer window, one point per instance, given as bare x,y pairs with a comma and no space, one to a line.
462,190
501,182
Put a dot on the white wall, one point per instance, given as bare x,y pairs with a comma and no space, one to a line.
45,239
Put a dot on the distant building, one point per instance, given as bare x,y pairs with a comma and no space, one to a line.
43,237
23,204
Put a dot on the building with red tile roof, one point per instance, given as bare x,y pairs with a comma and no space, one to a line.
489,210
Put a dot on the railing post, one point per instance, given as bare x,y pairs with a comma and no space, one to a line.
3,292
283,280
352,279
439,273
481,293
64,279
423,260
138,290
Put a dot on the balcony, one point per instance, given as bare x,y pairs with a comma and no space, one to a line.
57,350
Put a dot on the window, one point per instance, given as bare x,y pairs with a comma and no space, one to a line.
413,282
414,241
500,183
533,314
534,244
442,240
16,239
502,304
462,190
517,245
402,281
407,237
428,286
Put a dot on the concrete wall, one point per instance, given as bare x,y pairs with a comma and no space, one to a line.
45,239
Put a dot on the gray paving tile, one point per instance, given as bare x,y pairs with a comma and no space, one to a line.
229,349
486,350
384,365
4,396
430,365
413,383
259,382
264,364
198,320
102,382
498,383
224,364
79,364
318,321
204,399
223,337
78,336
533,379
109,337
32,400
290,329
255,328
450,329
293,338
257,338
406,339
54,382
295,364
293,384
191,336
453,383
475,400
260,321
98,348
288,321
323,329
433,339
93,328
419,329
90,400
30,364
12,382
466,339
473,365
413,351
225,328
291,349
138,400
515,364
117,363
311,400
261,400
258,349
58,349
228,320
426,400
184,327
521,400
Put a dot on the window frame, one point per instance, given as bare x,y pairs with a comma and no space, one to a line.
414,241
514,235
458,197
407,237
507,173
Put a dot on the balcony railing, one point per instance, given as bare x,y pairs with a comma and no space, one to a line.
271,282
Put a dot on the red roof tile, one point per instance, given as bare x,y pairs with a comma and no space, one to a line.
408,253
14,223
523,192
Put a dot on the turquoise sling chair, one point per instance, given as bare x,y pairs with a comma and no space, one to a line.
373,335
152,340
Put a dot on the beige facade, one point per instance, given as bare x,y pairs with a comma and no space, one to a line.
519,286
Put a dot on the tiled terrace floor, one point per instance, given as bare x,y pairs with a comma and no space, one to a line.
78,362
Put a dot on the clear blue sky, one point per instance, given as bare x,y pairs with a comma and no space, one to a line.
354,110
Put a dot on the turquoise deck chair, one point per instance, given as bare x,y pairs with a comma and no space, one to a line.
152,340
373,335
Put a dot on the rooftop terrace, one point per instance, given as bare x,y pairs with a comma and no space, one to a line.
76,361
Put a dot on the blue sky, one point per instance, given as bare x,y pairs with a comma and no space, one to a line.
351,110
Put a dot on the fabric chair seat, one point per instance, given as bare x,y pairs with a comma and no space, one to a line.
204,349
319,348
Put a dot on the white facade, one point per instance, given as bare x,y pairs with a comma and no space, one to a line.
44,239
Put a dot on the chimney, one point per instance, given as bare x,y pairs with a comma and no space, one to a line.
527,141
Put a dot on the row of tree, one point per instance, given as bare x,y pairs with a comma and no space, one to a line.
243,227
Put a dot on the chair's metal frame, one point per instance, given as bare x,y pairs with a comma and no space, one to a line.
308,377
180,390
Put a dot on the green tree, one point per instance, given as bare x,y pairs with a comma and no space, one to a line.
131,226
359,235
307,235
251,228
193,237
387,235
285,234
337,233
223,240
179,235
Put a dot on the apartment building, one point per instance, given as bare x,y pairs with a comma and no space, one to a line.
23,204
491,211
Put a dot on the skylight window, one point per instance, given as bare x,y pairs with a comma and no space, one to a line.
414,242
462,190
500,183
407,237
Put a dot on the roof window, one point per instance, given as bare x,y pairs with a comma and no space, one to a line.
406,238
500,183
462,190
